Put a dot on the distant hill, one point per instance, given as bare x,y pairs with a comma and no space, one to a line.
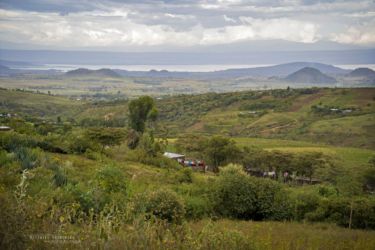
365,74
5,71
309,75
362,72
82,72
15,64
280,70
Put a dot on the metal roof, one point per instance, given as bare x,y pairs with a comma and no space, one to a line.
173,155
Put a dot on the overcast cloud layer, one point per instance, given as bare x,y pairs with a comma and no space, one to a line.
184,23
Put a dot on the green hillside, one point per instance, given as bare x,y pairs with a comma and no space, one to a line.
86,171
278,114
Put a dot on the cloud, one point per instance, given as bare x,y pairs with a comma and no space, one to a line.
183,23
116,28
228,19
363,34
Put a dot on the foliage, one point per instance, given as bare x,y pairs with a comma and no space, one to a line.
241,196
234,193
338,210
106,136
197,207
220,150
139,111
149,145
59,178
132,139
27,157
166,205
185,175
111,179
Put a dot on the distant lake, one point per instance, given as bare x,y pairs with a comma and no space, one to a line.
186,68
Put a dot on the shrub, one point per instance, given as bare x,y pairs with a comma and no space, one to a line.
304,203
4,158
185,175
11,141
111,180
166,205
196,207
27,157
272,201
79,144
59,178
234,195
238,195
337,210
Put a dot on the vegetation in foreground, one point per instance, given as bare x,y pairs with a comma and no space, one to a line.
103,186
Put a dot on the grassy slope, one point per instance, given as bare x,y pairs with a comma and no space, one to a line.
263,235
290,119
279,235
26,103
348,156
224,232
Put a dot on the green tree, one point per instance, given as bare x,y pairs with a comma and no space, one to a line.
140,110
220,150
233,194
307,163
349,186
369,175
106,136
238,195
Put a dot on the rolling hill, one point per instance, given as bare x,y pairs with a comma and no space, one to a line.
363,72
364,75
82,72
276,114
309,75
280,70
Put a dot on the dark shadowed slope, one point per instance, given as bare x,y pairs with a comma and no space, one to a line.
362,72
82,72
309,75
365,75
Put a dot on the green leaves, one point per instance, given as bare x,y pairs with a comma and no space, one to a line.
140,110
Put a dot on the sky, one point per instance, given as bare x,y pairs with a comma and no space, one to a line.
185,25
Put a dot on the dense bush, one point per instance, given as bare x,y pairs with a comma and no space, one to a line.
27,157
338,211
185,175
111,180
166,205
59,178
4,158
234,194
10,141
238,195
79,144
197,207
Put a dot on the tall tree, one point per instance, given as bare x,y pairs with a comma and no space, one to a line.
140,110
220,150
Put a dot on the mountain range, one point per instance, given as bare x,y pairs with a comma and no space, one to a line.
296,72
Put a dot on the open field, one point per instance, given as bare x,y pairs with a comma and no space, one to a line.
350,157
